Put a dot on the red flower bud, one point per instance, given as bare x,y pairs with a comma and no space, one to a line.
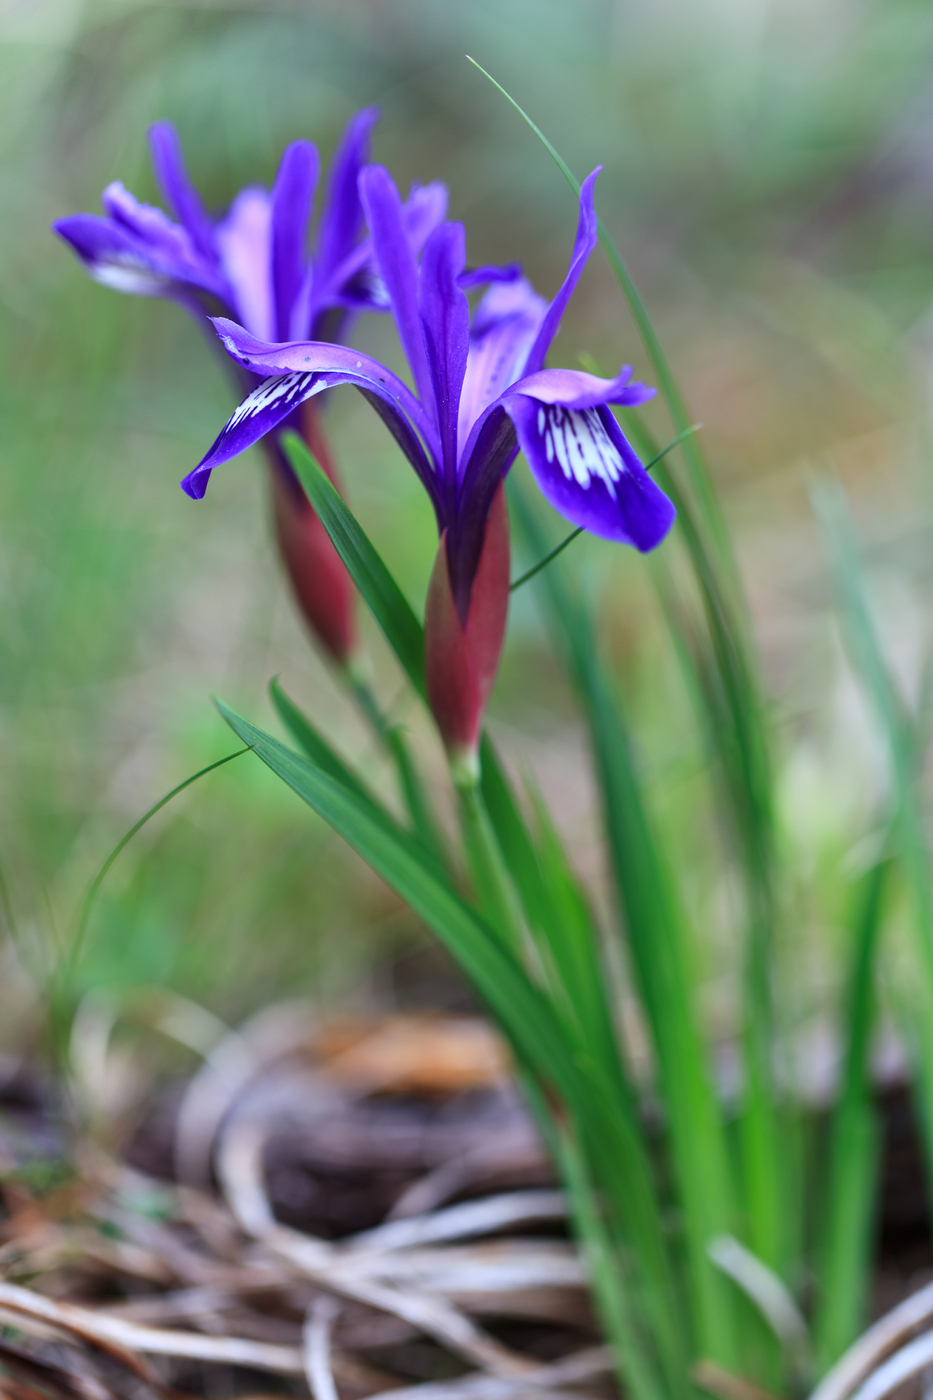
462,655
320,583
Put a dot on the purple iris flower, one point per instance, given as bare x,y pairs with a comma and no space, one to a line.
251,263
481,391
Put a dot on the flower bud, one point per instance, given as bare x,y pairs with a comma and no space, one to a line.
462,654
320,583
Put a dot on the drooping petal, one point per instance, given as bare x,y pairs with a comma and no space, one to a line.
445,320
587,470
244,244
321,367
503,330
172,176
398,269
343,213
575,389
259,357
584,243
292,196
121,259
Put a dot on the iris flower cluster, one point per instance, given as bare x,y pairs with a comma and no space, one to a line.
479,391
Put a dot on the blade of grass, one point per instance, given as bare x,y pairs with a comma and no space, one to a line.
693,455
722,679
844,1262
63,976
909,834
655,936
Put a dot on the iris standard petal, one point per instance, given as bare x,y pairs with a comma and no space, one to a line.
398,269
343,213
172,176
503,330
584,243
244,244
445,321
292,196
586,470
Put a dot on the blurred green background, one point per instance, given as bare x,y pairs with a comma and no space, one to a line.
769,176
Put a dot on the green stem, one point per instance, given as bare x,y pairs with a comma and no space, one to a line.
490,878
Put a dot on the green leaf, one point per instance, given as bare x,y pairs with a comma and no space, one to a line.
378,588
845,1256
536,1033
314,744
648,901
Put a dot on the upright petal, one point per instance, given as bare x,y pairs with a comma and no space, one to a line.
503,331
292,196
585,242
587,470
445,321
244,244
398,269
423,210
172,176
343,213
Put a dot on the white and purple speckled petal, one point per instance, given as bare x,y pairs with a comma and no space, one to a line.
587,470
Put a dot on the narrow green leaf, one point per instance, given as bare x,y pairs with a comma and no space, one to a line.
845,1256
378,588
537,1034
314,744
655,935
909,839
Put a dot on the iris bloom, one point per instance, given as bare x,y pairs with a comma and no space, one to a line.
251,265
481,393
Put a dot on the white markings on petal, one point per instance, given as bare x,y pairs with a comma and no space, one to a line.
282,390
578,438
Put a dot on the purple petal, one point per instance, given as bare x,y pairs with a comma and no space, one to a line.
423,210
445,320
398,269
480,276
172,176
586,469
120,259
262,411
292,195
504,327
356,282
259,357
585,242
494,449
574,389
343,213
244,243
297,372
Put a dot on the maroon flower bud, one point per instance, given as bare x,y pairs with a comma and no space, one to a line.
320,583
462,654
